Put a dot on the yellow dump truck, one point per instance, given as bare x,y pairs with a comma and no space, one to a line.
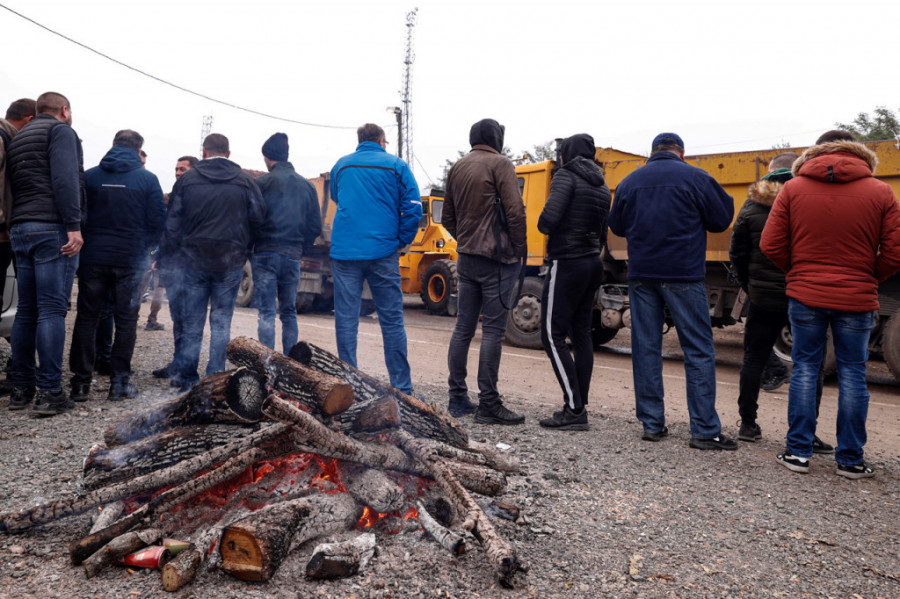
735,171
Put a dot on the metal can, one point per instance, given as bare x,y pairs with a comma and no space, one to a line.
153,558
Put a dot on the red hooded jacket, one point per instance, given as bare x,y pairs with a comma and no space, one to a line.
834,229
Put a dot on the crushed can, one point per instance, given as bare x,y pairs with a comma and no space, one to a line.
152,558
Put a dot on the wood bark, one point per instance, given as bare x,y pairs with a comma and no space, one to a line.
367,417
109,513
501,554
203,404
254,547
446,538
417,417
340,560
120,547
314,389
372,488
478,453
182,569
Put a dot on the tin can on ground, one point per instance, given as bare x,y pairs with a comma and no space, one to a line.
153,558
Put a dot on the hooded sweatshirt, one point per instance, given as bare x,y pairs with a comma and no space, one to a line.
215,214
474,184
835,229
124,211
575,215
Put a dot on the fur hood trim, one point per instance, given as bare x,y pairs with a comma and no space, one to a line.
764,192
850,147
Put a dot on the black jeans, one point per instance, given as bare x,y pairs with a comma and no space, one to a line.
95,284
760,332
566,308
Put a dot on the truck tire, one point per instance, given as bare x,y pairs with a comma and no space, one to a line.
304,302
600,335
523,325
785,342
439,284
245,290
890,344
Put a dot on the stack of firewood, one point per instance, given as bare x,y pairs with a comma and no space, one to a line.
158,458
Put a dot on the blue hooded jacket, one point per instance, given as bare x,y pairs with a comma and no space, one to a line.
378,204
125,211
663,210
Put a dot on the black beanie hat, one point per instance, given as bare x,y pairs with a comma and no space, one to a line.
276,147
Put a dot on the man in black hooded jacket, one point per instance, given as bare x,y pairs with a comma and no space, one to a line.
574,219
480,185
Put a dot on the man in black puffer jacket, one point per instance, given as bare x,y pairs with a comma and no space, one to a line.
574,219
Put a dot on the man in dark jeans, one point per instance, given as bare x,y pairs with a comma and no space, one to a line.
125,213
487,274
215,213
292,222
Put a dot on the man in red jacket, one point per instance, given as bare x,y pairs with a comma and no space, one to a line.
835,231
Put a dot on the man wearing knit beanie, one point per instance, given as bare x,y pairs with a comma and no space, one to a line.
292,223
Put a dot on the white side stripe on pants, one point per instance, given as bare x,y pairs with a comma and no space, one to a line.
549,316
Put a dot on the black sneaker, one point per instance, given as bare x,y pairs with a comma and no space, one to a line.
820,446
20,397
120,391
459,407
792,462
166,372
655,435
716,443
775,381
51,403
154,326
81,391
567,420
750,431
862,470
498,415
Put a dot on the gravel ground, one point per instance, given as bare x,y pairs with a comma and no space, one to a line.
607,515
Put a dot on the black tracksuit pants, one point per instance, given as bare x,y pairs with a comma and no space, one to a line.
566,309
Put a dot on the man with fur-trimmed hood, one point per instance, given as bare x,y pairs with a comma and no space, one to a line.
835,231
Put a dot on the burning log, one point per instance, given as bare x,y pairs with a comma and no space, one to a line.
203,404
418,418
372,488
312,388
120,547
445,537
340,560
254,547
109,514
367,417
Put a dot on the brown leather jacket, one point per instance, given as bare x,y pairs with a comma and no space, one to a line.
473,184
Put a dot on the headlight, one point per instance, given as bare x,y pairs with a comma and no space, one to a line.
439,243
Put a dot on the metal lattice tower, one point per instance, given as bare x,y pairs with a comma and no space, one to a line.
406,93
205,130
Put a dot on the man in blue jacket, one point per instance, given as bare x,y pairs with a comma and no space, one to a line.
378,212
664,210
125,213
215,214
293,222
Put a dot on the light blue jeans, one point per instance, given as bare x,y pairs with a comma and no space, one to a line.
276,276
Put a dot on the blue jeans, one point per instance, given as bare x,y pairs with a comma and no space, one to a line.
276,275
689,307
383,276
45,279
850,331
218,290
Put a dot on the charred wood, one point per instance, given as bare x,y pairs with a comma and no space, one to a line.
372,488
109,513
446,538
120,547
340,560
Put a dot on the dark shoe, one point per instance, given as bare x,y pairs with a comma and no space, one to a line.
120,391
793,463
862,470
103,368
750,431
81,391
154,326
773,382
655,435
459,407
719,442
166,372
820,446
50,403
6,387
498,415
567,420
20,397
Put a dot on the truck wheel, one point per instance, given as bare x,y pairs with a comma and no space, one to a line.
304,302
523,326
440,283
600,335
890,344
245,290
785,343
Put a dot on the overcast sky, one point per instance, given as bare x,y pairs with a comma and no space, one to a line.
726,75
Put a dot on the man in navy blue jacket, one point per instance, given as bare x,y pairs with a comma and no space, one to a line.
125,213
664,210
378,212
